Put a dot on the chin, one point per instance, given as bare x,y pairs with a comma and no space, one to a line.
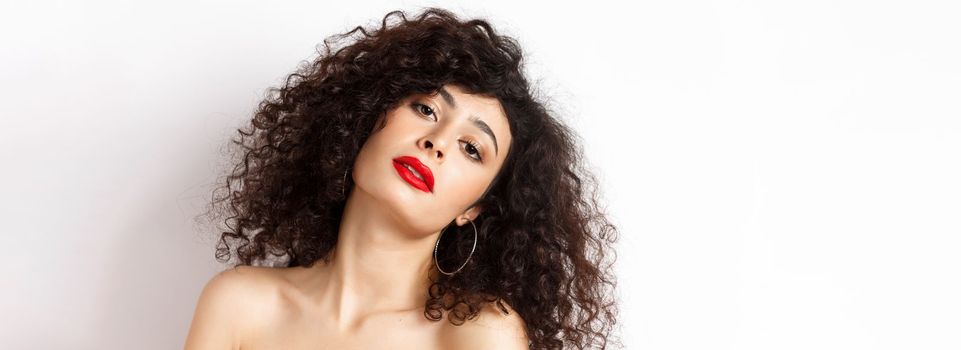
397,198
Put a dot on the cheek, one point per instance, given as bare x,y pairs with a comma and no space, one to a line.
396,127
373,152
465,188
380,124
384,133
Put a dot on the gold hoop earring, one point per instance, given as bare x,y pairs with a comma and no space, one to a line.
468,257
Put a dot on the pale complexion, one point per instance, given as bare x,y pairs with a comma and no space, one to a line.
376,283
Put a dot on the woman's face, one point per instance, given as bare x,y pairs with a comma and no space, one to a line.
453,134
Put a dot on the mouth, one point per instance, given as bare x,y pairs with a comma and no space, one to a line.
415,173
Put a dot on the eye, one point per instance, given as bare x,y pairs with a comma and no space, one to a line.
471,148
423,109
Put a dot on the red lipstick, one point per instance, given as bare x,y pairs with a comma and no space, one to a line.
401,164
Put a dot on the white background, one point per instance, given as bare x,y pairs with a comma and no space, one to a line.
785,174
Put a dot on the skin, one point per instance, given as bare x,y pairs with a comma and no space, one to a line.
372,293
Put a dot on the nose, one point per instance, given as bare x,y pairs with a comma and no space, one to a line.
434,145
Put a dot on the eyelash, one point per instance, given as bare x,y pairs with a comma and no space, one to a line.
469,143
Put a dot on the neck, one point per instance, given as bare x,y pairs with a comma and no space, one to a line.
378,265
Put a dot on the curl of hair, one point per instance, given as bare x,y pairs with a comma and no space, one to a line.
544,246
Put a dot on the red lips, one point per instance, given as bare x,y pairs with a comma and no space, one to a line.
427,185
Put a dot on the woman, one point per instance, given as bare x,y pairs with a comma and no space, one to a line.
400,180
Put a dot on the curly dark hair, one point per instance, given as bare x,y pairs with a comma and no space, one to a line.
544,247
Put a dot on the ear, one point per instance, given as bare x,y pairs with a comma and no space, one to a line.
471,214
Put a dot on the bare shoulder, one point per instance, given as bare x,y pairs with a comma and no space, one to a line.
491,329
232,302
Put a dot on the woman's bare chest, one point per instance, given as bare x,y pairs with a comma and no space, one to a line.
403,331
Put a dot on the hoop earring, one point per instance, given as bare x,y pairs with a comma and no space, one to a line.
343,191
468,257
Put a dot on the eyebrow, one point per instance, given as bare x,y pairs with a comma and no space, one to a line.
480,124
